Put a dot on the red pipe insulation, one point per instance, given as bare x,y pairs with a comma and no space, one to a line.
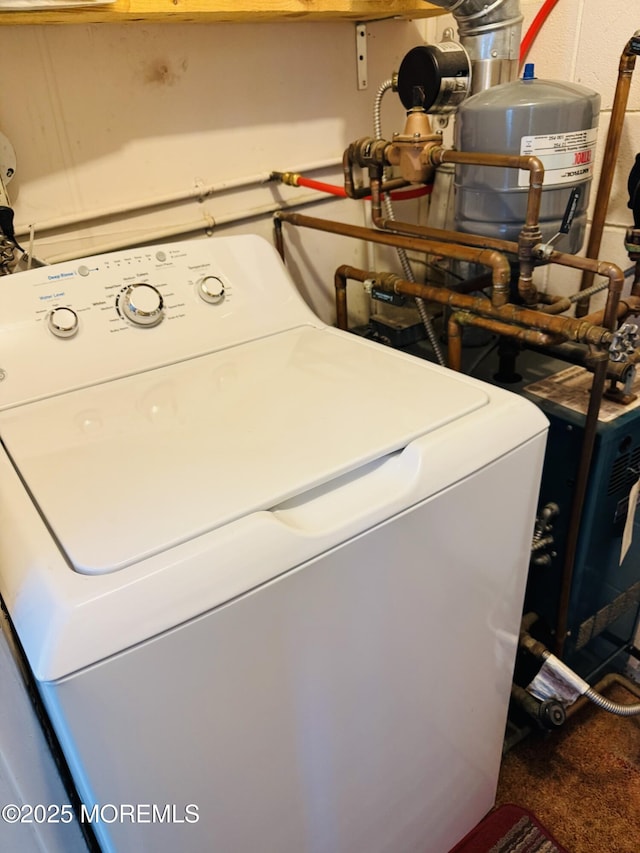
534,29
332,189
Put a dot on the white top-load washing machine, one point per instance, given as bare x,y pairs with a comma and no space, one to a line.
267,575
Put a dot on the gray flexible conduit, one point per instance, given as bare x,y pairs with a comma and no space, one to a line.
612,707
402,255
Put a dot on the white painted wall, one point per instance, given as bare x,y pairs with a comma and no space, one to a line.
107,115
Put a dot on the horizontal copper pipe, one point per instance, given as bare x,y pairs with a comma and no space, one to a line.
567,328
409,229
514,317
528,163
604,268
498,327
501,271
626,306
395,226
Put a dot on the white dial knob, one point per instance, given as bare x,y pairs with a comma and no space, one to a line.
211,289
63,322
141,304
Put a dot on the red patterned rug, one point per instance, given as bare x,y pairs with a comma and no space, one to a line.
509,829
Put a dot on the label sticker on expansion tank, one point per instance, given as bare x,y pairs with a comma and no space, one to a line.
567,157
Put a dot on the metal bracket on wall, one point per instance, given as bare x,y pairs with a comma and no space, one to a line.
361,55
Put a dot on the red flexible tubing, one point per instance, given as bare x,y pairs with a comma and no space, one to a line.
534,29
332,189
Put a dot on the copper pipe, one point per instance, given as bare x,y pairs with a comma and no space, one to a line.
528,163
460,237
472,285
499,292
514,318
454,343
530,234
528,336
635,287
600,364
555,304
342,274
604,268
409,229
572,353
627,305
375,151
501,271
610,157
278,238
376,154
566,328
600,368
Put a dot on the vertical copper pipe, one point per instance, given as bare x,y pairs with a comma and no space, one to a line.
625,71
579,495
610,317
340,282
635,287
454,343
530,234
278,238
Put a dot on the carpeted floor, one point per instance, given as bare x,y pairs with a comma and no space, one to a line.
582,781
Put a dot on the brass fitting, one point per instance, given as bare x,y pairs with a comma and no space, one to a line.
289,178
407,150
368,152
632,243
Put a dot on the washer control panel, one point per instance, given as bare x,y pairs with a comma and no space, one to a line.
75,324
141,303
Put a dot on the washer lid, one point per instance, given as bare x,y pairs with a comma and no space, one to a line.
130,468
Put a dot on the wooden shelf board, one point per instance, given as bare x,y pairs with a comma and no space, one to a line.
226,11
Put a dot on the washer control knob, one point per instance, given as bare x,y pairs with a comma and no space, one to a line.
211,289
141,304
63,322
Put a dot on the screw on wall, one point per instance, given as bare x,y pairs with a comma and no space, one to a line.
361,55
